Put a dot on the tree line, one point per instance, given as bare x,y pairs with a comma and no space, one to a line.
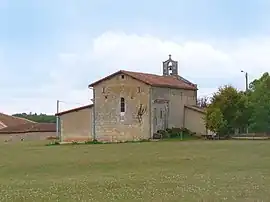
231,111
39,118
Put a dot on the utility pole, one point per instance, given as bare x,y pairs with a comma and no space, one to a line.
246,77
57,120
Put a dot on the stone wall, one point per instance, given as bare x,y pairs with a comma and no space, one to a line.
178,98
30,136
110,123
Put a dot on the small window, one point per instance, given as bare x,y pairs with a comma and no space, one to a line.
122,76
122,104
181,94
139,89
161,115
103,90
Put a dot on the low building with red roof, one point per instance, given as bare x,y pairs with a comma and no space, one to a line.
14,128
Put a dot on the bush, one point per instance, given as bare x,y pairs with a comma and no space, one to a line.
94,142
169,130
164,133
174,133
53,143
157,136
135,141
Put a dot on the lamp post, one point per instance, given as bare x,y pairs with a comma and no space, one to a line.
57,120
246,77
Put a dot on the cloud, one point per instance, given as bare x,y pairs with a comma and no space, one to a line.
208,65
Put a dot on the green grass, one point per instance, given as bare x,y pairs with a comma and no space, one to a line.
151,171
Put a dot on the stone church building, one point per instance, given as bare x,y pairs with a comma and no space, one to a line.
133,105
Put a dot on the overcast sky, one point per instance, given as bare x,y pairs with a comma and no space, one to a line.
53,49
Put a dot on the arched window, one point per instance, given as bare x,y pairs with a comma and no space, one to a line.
122,105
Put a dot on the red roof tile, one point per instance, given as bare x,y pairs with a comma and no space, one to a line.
74,110
8,120
154,80
29,127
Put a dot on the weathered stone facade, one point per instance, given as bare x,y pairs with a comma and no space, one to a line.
177,99
115,124
130,106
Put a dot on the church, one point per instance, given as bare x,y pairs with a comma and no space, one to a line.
130,106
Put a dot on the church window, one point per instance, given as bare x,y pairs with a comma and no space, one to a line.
122,104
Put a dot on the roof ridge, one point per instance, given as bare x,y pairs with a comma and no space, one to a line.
24,119
126,71
153,80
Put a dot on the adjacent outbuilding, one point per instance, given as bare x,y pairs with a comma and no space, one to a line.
76,124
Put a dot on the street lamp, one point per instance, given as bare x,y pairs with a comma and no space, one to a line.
246,76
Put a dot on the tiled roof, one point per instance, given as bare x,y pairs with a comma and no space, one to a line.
74,110
154,80
8,120
2,125
29,127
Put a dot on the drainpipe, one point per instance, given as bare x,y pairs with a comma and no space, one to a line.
184,118
150,114
93,114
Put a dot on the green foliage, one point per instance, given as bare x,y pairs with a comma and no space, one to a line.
93,142
171,133
53,143
232,110
215,120
226,111
260,104
40,118
164,133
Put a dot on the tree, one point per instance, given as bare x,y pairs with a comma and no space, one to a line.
202,102
215,120
41,118
227,111
259,99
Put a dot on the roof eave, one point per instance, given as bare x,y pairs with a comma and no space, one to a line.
196,109
74,110
105,78
175,87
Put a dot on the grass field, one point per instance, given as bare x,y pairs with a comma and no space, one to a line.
157,171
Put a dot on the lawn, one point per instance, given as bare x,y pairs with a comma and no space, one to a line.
155,171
